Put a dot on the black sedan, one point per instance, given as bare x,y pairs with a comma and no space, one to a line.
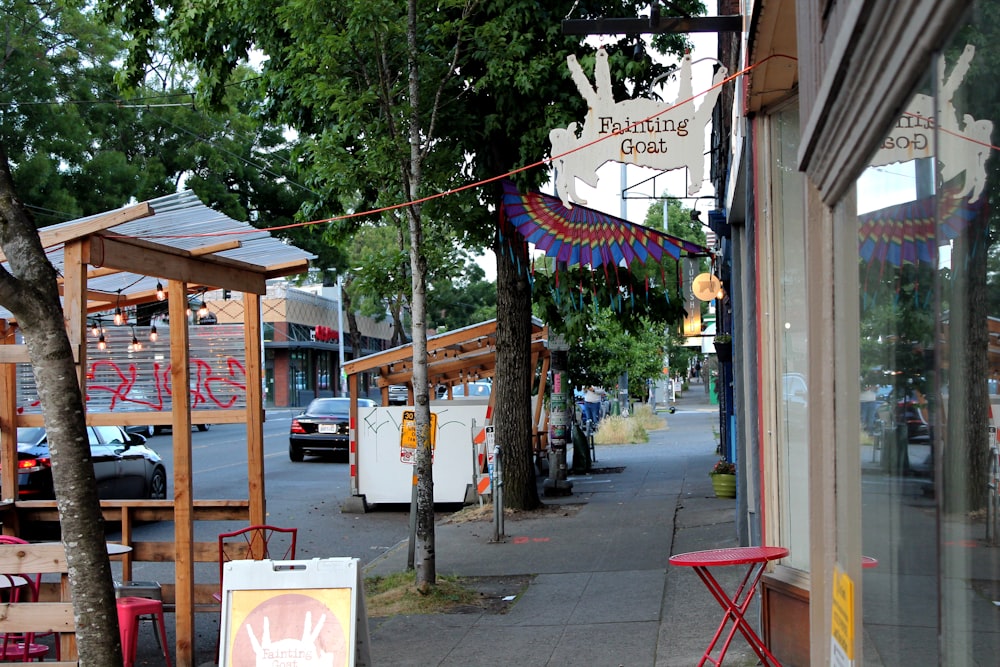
323,427
124,466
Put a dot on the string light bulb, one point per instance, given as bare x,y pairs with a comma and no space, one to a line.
153,335
95,330
119,317
102,344
203,309
135,345
160,294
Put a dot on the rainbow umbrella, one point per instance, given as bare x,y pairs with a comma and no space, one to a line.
583,236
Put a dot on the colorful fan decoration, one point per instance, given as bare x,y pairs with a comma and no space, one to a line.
584,236
905,233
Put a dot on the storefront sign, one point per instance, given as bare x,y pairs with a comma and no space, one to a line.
962,146
325,334
842,632
307,613
692,304
408,437
643,131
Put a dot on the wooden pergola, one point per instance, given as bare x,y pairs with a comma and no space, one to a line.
118,260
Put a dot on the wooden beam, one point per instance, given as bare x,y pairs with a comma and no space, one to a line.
286,268
12,353
405,352
183,479
149,260
141,510
158,247
52,237
255,408
18,354
8,415
75,307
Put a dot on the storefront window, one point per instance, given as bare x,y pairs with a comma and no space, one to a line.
929,356
787,329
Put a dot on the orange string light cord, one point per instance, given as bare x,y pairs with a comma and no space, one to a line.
486,181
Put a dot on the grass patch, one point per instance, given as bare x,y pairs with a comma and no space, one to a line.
648,419
618,430
397,594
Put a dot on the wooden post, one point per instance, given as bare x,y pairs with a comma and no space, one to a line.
8,422
255,409
75,305
180,381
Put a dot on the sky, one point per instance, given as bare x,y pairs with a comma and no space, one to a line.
607,197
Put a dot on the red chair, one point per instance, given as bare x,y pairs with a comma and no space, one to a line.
18,583
130,610
260,542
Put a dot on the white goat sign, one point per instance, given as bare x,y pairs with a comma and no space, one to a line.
641,131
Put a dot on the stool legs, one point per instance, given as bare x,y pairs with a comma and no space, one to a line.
130,609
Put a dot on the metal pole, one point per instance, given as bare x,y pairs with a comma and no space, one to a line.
340,335
498,530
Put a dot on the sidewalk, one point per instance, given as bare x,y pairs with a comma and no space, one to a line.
601,591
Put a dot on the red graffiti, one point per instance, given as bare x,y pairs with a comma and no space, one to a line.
126,385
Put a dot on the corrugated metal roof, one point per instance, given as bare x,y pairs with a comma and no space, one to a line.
183,222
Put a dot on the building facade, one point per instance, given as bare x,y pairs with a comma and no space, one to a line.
303,341
862,295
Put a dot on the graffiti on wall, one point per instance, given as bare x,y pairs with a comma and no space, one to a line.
123,380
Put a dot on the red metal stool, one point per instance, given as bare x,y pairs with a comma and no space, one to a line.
130,610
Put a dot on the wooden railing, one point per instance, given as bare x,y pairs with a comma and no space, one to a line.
128,513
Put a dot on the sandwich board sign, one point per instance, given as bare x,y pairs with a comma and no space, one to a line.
294,613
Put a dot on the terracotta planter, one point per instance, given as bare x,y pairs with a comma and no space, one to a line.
724,485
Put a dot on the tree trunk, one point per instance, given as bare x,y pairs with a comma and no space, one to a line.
426,560
514,373
966,467
31,293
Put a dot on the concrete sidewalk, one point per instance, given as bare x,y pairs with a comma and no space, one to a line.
601,591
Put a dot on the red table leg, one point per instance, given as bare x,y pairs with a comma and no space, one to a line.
735,609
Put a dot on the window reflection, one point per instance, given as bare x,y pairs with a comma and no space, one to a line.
927,304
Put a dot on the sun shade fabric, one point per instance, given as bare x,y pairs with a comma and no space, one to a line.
905,233
581,235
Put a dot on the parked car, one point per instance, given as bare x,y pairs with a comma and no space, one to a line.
160,429
482,389
398,394
124,466
145,431
323,427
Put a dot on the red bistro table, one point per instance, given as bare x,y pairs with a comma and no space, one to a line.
735,607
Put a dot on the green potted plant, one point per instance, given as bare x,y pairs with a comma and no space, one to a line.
723,475
723,347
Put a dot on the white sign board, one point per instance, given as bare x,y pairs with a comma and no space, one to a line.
294,613
646,132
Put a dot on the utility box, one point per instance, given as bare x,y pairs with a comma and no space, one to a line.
382,467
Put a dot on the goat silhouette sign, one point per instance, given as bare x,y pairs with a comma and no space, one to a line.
642,131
